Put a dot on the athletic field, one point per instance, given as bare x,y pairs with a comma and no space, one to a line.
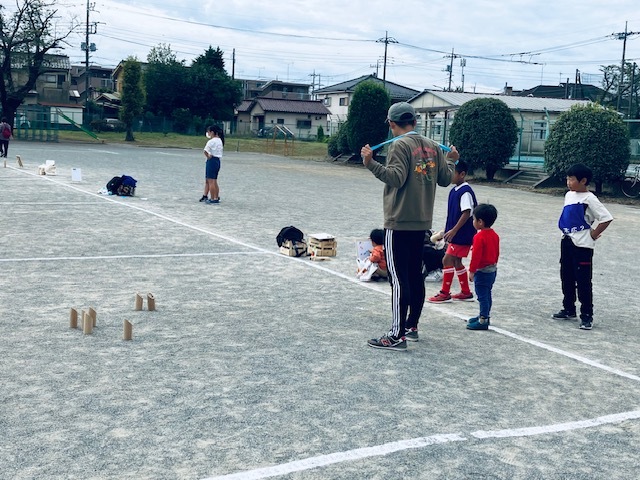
255,365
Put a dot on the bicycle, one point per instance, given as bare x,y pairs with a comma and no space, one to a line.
631,184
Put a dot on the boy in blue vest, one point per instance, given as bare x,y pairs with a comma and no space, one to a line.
582,221
459,233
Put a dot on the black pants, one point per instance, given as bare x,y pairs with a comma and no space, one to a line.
576,273
403,251
4,147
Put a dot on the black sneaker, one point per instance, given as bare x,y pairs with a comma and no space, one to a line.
565,315
586,322
388,343
411,335
203,198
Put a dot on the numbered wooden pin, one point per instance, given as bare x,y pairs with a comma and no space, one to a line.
73,318
92,314
128,330
151,302
139,301
87,324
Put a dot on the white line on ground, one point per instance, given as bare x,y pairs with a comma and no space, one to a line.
109,257
420,442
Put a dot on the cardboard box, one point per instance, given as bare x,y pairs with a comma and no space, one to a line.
298,250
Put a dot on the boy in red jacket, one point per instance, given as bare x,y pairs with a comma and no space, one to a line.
484,262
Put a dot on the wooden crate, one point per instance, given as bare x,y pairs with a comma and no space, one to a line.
288,249
322,245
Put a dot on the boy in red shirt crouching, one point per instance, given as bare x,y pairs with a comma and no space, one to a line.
484,262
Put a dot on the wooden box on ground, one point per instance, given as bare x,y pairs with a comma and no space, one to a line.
322,245
293,249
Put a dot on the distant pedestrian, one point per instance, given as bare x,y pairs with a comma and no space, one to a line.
582,221
5,136
484,263
213,153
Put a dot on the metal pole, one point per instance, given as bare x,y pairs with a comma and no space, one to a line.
451,69
633,81
86,60
624,48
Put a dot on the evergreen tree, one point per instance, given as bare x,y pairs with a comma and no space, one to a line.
132,99
485,133
592,135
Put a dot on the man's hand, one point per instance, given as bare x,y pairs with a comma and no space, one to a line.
471,275
367,154
453,155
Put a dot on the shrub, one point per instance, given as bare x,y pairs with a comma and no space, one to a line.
320,134
485,133
591,135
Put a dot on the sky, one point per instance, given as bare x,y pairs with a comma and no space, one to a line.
517,43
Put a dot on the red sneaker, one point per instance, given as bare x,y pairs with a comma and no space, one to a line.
440,297
463,297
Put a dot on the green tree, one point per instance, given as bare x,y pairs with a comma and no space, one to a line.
212,93
132,99
485,133
165,81
367,114
210,58
26,36
592,135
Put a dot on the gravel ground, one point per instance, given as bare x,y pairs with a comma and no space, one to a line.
255,365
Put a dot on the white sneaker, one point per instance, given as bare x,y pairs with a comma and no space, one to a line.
434,276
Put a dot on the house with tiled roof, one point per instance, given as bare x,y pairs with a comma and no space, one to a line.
52,94
302,117
569,91
338,97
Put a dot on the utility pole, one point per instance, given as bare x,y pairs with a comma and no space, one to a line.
622,36
450,67
386,40
233,64
88,47
313,82
632,90
377,65
463,63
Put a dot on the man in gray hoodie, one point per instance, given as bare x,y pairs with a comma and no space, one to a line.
415,166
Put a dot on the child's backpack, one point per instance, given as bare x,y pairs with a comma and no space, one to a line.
289,233
291,242
113,185
127,186
6,131
123,186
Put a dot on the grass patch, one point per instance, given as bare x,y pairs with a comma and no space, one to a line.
300,149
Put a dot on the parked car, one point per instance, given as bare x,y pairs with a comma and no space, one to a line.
114,124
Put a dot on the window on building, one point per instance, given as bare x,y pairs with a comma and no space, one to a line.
50,78
327,102
280,121
304,124
344,102
539,130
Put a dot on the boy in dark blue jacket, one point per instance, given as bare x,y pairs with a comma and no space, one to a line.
459,233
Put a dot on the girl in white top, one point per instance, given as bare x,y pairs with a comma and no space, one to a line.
213,153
